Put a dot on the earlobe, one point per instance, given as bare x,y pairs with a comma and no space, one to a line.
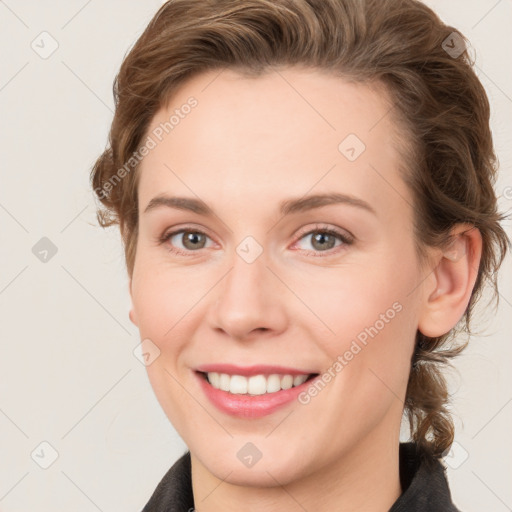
453,279
131,314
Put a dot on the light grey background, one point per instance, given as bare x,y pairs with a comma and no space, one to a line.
68,375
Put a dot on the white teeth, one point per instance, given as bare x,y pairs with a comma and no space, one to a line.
273,383
238,385
300,379
224,381
287,382
254,385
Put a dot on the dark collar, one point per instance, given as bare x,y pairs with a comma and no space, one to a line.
424,483
422,478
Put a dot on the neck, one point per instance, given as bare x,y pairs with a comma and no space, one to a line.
365,478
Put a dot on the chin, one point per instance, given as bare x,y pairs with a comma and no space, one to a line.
270,470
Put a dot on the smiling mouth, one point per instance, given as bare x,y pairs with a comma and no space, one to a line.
261,384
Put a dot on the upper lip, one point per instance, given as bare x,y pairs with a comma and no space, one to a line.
258,369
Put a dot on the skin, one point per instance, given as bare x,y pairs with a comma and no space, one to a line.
248,145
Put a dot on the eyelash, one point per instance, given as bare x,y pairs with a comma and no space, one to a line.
345,238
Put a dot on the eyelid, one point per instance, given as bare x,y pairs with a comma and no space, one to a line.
186,227
345,236
170,232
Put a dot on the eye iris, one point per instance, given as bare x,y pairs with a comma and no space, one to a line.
321,238
193,238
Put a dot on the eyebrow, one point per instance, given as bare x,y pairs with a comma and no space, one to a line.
287,207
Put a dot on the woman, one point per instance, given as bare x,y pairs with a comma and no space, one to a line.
305,193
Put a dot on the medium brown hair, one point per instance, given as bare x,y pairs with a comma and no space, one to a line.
439,106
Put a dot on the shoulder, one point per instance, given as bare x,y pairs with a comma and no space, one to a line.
424,483
174,490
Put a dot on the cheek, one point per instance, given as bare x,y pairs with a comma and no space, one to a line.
152,300
368,352
366,311
166,301
164,304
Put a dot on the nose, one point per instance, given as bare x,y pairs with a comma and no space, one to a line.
250,301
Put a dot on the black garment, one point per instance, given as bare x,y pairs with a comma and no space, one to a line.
423,480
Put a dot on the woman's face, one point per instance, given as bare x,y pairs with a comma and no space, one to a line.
251,270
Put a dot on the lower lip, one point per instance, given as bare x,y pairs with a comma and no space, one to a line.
250,406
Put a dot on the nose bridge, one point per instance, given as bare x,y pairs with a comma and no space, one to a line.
247,299
246,282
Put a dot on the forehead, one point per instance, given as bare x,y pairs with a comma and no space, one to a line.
291,129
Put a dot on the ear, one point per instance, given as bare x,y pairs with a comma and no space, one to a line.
448,288
131,314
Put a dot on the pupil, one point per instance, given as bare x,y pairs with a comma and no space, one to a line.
193,239
321,238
